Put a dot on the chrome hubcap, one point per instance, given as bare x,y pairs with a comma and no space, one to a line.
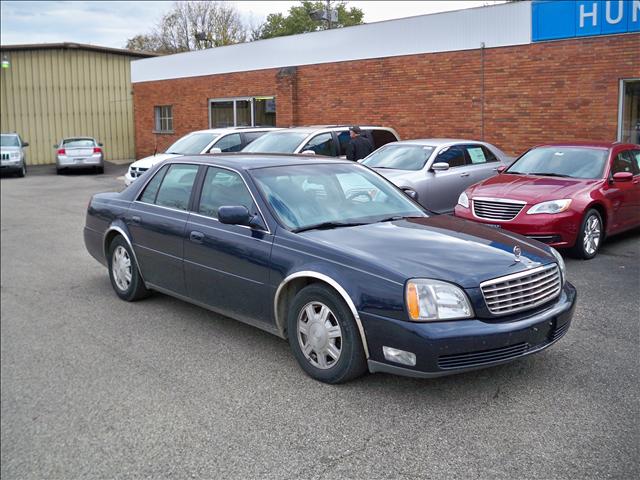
319,335
591,238
121,268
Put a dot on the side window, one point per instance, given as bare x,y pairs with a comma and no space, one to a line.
476,155
635,156
623,163
382,137
322,144
489,155
177,183
454,156
151,190
223,188
229,143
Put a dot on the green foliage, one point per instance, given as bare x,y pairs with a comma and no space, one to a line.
299,20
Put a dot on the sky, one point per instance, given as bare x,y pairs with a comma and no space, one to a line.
111,23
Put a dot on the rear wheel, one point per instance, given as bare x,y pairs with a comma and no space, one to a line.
324,337
123,272
590,236
100,169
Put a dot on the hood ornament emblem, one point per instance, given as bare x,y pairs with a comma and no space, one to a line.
516,253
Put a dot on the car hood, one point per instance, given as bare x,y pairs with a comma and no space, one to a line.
531,189
10,149
401,178
149,162
440,247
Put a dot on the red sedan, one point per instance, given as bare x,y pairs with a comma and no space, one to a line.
566,195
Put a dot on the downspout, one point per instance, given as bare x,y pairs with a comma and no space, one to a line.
482,91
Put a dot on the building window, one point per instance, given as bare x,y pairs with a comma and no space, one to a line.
629,111
242,112
163,118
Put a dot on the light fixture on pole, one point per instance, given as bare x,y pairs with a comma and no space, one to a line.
5,62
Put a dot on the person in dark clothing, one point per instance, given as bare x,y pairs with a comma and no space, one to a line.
359,147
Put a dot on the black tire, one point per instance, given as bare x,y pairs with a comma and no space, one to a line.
99,170
351,362
136,289
22,172
580,250
58,171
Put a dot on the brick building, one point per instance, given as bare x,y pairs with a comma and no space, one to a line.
515,75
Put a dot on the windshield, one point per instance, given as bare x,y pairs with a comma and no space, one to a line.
78,142
9,141
192,144
302,196
399,157
574,162
285,142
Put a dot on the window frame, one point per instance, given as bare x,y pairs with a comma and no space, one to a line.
158,118
334,142
197,182
446,148
234,100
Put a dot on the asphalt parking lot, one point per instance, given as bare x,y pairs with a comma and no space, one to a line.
94,387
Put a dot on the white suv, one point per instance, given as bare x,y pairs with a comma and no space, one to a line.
215,140
13,157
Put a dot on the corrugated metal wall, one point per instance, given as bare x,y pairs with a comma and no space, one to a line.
50,94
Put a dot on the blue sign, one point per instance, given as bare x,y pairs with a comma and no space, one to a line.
554,19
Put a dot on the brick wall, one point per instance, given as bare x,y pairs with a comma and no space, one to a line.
551,91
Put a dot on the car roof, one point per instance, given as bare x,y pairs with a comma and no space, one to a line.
315,128
583,144
438,142
249,161
235,130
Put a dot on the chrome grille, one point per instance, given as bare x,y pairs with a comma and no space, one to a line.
496,209
521,291
473,359
5,156
136,172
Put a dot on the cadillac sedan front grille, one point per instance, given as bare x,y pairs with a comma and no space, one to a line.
496,209
475,359
522,291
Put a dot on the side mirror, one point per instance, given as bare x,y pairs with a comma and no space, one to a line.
100,145
215,150
501,168
440,166
25,144
55,146
622,177
238,215
308,152
412,194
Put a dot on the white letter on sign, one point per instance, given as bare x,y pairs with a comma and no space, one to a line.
593,14
613,21
636,8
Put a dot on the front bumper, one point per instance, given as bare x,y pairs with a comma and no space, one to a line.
128,179
11,165
445,348
558,230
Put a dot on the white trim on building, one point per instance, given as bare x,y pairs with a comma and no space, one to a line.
495,26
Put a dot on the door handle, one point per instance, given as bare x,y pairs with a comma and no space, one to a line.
495,169
464,174
196,237
135,219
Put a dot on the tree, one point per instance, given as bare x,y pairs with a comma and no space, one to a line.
299,20
193,25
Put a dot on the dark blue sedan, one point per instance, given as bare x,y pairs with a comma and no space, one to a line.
334,258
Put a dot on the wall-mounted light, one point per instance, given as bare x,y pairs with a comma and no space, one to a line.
5,62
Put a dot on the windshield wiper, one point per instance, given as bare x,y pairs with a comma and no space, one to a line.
547,174
397,217
327,225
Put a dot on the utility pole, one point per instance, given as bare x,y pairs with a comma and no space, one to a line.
329,13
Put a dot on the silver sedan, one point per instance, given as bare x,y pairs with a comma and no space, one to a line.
435,171
79,152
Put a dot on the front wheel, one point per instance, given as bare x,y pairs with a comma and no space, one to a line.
590,236
123,272
324,337
23,171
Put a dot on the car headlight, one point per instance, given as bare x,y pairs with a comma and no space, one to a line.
554,206
429,300
463,200
15,155
561,265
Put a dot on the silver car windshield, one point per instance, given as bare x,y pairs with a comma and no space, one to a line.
276,142
573,162
9,141
399,157
192,144
331,195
